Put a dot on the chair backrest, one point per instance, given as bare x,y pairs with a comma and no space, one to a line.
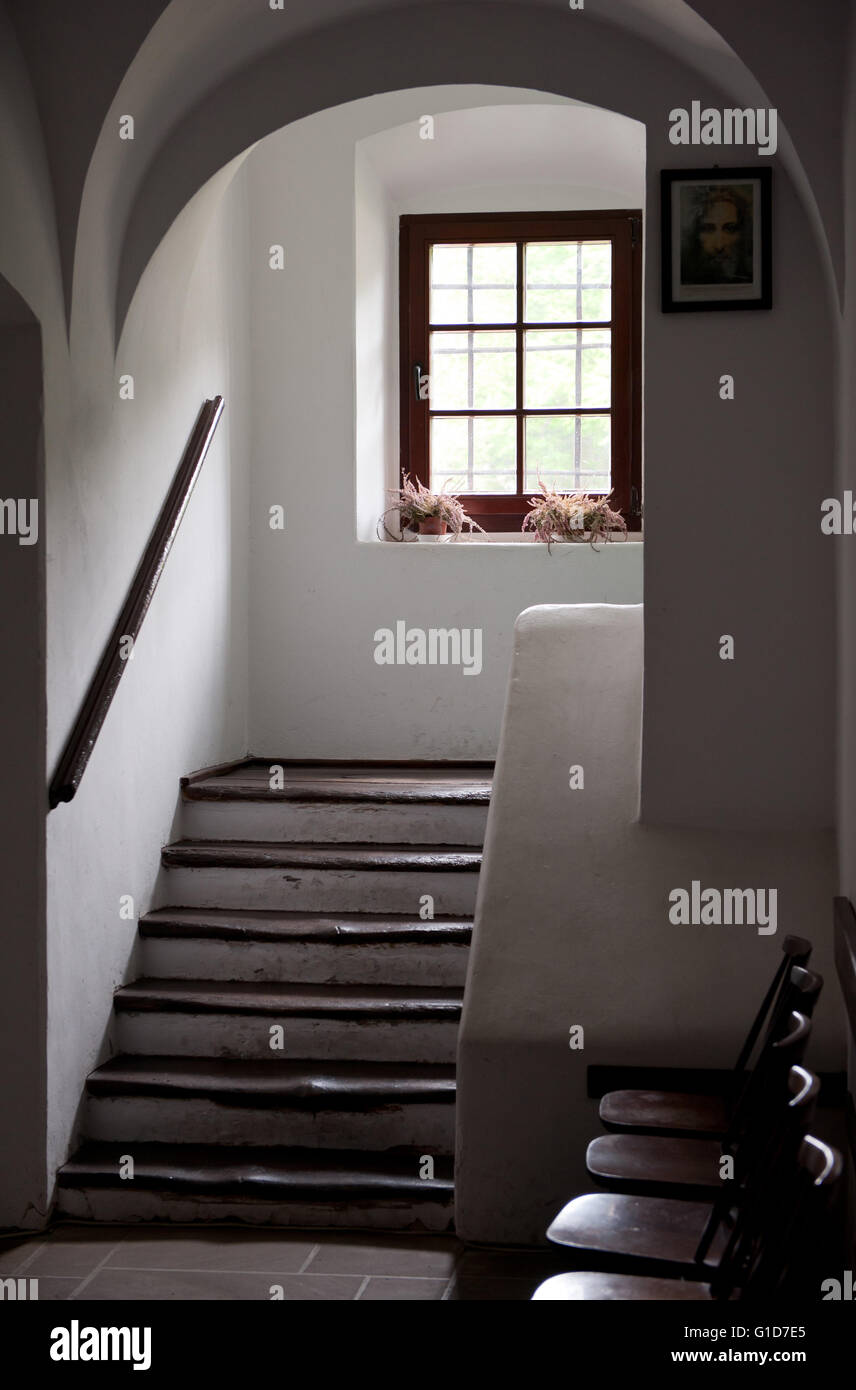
795,951
766,1122
753,1210
799,994
784,1112
801,991
791,1237
768,1083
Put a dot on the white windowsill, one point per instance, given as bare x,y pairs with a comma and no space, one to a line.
510,539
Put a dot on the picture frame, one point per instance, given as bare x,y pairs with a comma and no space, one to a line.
715,233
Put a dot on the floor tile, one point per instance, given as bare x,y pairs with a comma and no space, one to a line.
122,1285
226,1263
68,1254
222,1250
52,1289
15,1251
354,1254
381,1287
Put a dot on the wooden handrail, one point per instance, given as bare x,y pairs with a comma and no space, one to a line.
104,684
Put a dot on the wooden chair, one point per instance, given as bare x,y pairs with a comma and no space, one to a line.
679,1113
664,1236
778,1142
763,1259
780,1255
690,1167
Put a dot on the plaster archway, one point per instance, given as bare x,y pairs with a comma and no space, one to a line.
405,45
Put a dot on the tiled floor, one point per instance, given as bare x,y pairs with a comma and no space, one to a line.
126,1263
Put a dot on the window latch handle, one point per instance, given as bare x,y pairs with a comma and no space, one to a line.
418,380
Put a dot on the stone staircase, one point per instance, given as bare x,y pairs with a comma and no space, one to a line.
288,1056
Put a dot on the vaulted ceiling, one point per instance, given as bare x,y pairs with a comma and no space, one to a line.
170,64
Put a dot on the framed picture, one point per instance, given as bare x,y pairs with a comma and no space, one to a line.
716,239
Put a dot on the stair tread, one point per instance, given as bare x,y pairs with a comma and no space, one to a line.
264,925
265,854
333,791
339,1001
264,1173
464,783
346,1085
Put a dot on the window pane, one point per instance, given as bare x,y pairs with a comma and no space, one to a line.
495,284
473,284
473,371
474,454
596,452
597,279
567,368
568,280
567,453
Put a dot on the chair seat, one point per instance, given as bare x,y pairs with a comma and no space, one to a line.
589,1287
665,1112
645,1235
640,1161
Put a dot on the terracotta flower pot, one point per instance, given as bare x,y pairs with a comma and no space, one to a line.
432,526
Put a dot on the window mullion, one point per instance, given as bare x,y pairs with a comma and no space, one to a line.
519,366
471,343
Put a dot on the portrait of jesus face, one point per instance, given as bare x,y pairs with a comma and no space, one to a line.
719,233
716,236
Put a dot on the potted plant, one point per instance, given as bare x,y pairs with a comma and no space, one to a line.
432,514
576,516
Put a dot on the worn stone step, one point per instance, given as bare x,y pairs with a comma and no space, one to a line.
381,803
321,948
248,854
303,1084
349,821
205,1018
379,782
400,803
268,1186
340,1105
376,878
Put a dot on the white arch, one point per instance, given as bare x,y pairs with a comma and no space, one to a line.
211,80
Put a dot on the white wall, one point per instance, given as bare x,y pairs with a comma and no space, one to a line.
182,701
572,928
325,395
375,403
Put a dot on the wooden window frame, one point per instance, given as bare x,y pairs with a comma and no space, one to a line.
417,232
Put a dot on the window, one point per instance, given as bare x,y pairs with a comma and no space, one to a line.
528,329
